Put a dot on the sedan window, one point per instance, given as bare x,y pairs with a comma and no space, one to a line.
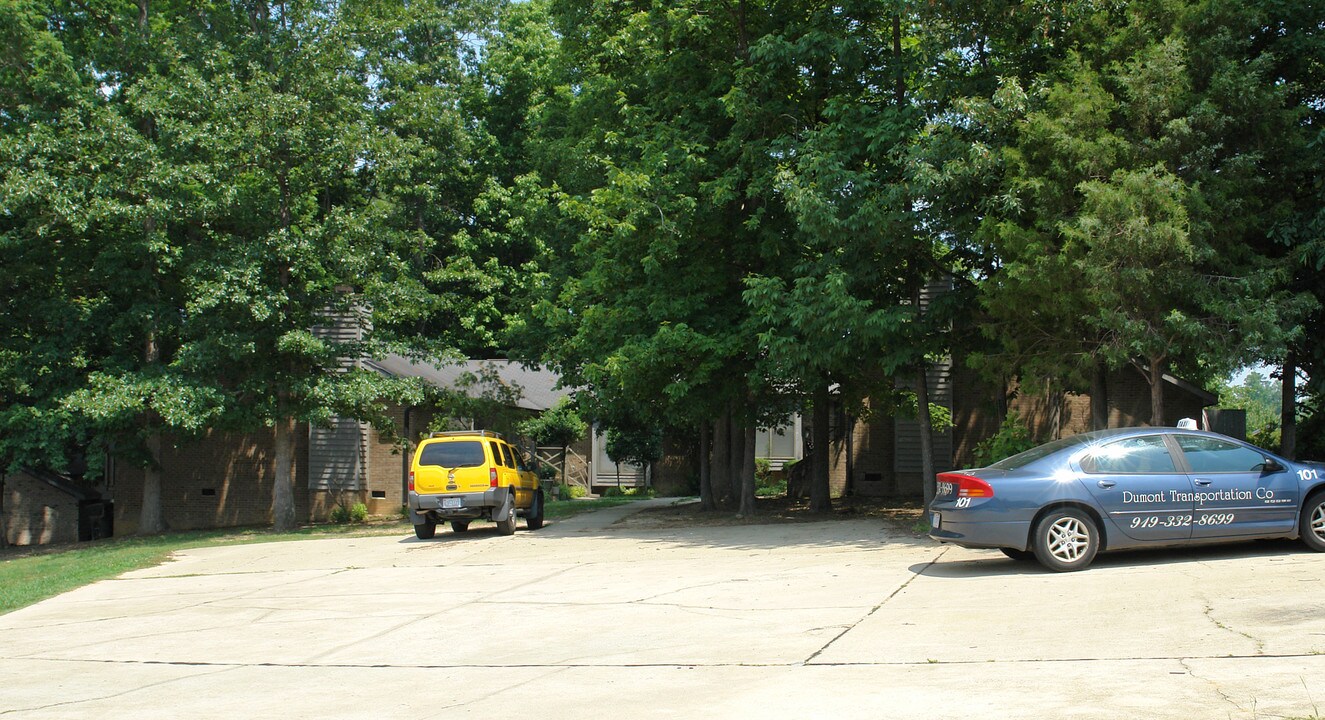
1210,455
1146,454
1022,459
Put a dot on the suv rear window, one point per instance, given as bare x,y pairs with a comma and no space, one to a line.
456,454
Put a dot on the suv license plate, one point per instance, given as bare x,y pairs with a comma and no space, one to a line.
451,503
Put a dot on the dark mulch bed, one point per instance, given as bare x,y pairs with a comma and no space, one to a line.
906,516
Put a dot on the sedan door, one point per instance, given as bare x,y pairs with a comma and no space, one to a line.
1141,489
1234,493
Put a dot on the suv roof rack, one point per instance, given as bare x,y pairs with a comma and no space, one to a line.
462,433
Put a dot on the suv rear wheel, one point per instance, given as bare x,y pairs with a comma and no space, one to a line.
426,529
534,520
507,526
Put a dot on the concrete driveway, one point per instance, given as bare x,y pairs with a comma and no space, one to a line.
844,619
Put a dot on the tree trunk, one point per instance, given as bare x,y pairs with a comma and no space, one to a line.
1055,397
927,480
1099,397
705,468
821,499
152,518
899,88
748,471
1156,378
4,518
282,488
848,439
1288,409
721,463
735,460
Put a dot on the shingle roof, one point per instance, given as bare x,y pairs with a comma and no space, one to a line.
537,386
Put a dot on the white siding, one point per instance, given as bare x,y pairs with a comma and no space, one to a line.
906,432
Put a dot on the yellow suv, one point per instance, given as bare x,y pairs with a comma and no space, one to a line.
459,476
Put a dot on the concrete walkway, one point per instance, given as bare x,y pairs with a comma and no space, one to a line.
585,620
600,520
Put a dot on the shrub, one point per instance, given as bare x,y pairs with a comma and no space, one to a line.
763,471
568,492
766,483
355,513
1012,437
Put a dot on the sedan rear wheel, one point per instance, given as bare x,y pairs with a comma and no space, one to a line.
1066,540
1312,525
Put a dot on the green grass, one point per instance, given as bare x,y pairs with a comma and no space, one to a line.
26,580
30,575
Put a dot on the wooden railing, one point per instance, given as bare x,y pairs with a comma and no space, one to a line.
577,467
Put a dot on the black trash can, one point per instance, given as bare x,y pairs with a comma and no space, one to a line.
95,519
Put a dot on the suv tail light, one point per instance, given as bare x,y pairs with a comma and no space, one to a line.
492,477
967,486
411,481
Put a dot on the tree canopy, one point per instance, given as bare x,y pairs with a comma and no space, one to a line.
704,216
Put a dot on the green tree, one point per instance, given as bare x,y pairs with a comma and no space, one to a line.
208,185
559,426
1130,229
93,203
843,309
1288,42
658,214
1260,397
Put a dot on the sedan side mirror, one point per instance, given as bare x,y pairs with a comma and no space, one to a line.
1271,466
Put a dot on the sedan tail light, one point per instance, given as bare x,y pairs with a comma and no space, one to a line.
967,486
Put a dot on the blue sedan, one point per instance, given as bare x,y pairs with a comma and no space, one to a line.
1067,500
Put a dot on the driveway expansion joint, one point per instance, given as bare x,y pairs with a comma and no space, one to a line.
810,660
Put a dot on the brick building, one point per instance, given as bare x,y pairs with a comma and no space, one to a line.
224,479
882,457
